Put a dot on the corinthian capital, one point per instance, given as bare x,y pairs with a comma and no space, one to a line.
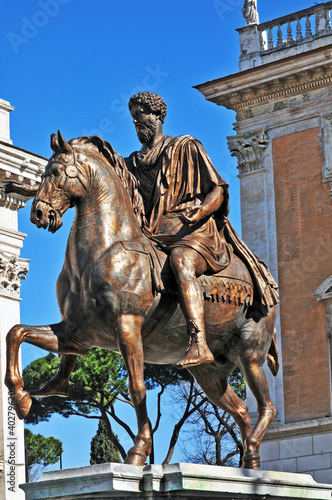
248,148
12,271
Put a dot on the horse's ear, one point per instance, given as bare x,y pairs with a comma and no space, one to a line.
64,144
54,143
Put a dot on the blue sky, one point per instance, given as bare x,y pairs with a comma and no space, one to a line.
72,65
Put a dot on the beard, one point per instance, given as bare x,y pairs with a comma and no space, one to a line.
146,132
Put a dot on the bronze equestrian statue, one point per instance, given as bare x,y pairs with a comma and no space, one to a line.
141,222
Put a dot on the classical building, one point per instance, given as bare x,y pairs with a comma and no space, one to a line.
282,96
15,164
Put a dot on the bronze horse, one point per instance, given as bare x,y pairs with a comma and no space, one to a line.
106,297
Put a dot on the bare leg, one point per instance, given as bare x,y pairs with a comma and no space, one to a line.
128,329
187,264
40,336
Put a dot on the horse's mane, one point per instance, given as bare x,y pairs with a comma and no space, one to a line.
127,179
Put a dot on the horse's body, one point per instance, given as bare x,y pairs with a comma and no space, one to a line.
106,299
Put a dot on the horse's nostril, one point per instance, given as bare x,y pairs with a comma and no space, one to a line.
39,214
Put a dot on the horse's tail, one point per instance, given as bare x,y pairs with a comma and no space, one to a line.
272,357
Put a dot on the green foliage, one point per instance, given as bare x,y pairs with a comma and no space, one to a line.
42,450
238,383
35,375
96,380
102,448
164,375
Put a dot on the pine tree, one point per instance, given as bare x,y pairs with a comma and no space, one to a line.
102,448
41,452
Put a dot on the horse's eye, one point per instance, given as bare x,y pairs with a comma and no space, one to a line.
56,172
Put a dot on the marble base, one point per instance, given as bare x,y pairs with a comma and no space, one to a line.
175,481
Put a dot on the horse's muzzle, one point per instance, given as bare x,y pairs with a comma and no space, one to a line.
43,215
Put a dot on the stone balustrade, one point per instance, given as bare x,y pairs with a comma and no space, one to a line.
296,28
285,36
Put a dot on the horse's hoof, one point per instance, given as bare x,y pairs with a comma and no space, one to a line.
251,462
135,457
23,405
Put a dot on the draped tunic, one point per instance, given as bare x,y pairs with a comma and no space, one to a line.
177,174
174,175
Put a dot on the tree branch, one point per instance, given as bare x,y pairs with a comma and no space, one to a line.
177,427
160,393
231,431
78,413
124,401
126,427
230,455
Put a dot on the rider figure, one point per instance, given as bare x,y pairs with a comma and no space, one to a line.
182,194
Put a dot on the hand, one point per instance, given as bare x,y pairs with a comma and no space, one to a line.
20,189
192,215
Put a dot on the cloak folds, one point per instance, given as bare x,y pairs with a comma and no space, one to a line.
177,174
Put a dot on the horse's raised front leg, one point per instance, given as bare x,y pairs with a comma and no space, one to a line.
267,412
40,336
128,328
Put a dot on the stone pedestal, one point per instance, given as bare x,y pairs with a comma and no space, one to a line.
176,481
15,164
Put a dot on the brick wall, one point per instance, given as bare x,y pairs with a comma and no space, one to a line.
304,235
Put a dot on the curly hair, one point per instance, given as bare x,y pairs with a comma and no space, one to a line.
152,101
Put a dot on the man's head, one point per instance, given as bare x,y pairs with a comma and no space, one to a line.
153,102
146,109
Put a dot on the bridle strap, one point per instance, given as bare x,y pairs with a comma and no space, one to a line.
61,192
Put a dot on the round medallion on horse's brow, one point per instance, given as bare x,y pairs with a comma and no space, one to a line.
71,171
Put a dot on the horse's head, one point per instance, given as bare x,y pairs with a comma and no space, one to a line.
62,184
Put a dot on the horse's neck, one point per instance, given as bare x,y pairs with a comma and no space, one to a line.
103,217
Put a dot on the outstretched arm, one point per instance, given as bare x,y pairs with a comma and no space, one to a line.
21,189
210,205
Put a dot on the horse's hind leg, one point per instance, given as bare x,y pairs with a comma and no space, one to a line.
267,412
213,381
238,409
40,336
250,353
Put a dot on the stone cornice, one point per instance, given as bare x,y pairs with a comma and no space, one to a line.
6,105
307,427
280,88
20,165
8,233
11,201
324,290
272,82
